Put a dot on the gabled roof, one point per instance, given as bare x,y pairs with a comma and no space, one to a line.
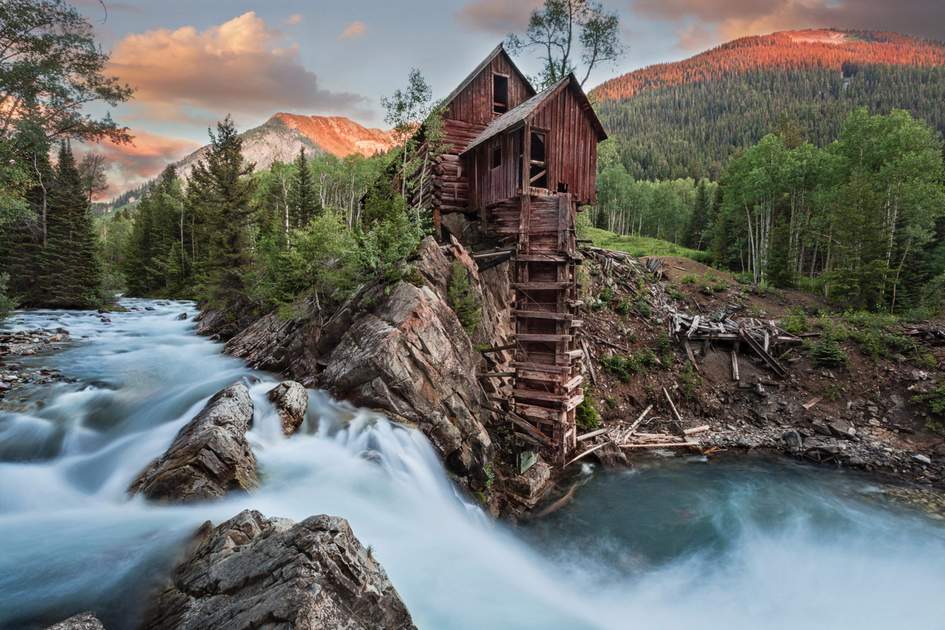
498,50
517,115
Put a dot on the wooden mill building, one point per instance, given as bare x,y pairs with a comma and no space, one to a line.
523,164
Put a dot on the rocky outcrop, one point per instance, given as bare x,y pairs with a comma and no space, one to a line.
253,572
82,621
291,401
400,348
210,455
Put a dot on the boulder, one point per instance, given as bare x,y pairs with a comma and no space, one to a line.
254,572
82,621
291,401
210,455
182,317
527,489
793,440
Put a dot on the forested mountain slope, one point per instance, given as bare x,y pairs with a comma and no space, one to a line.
686,118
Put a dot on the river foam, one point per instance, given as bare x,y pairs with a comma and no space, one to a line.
687,545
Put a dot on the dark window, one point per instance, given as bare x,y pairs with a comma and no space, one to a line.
562,187
500,93
538,170
497,156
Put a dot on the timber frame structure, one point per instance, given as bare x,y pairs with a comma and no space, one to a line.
522,164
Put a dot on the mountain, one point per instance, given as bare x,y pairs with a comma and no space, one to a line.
687,118
282,136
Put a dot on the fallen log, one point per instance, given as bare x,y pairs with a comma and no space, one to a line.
661,445
585,453
699,429
588,436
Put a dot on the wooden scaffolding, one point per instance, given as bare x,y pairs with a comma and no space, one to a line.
547,364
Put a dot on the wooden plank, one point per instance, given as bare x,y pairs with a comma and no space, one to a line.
661,445
536,394
699,429
541,286
542,338
543,315
676,416
592,434
584,454
735,375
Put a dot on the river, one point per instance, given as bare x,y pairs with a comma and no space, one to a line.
681,543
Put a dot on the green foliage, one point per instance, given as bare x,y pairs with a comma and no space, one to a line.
795,321
827,352
586,414
624,367
694,129
689,381
463,298
934,400
859,220
7,303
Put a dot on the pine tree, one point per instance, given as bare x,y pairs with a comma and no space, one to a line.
224,195
70,275
304,201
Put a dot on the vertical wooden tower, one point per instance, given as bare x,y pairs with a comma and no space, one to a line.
524,164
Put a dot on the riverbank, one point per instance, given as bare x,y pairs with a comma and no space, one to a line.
21,367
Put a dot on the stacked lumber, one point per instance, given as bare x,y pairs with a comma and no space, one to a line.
763,338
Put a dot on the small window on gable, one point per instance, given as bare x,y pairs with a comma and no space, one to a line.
500,93
538,169
497,156
562,187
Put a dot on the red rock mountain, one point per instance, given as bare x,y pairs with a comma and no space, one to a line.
815,48
282,136
338,135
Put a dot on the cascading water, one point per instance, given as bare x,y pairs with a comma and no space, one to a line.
686,545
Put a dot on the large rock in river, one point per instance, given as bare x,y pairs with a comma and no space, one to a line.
256,572
291,402
210,455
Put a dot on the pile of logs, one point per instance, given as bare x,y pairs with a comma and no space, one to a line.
762,338
629,437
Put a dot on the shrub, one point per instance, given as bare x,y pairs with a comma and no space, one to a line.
688,279
586,414
462,298
623,367
623,308
827,352
934,400
795,322
689,381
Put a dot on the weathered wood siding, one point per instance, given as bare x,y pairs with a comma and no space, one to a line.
570,155
571,145
474,104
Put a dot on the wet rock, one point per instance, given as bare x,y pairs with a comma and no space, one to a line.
841,429
792,440
254,572
82,621
291,401
611,456
210,455
922,459
528,488
182,317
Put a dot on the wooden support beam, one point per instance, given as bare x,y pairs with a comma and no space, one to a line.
507,346
542,315
496,374
542,338
541,286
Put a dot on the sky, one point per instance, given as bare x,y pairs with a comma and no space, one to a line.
193,61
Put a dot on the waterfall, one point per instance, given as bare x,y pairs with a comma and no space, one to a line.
71,539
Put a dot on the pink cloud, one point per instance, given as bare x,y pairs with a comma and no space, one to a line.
241,66
497,16
355,29
130,165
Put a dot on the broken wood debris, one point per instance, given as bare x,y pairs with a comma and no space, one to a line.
762,337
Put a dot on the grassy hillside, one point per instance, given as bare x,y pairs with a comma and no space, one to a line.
640,245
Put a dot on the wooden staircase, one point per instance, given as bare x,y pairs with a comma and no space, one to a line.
547,364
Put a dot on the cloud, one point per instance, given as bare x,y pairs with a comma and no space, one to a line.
294,19
129,165
728,19
498,17
240,66
355,29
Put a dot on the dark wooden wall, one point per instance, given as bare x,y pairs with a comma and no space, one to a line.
571,145
494,185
